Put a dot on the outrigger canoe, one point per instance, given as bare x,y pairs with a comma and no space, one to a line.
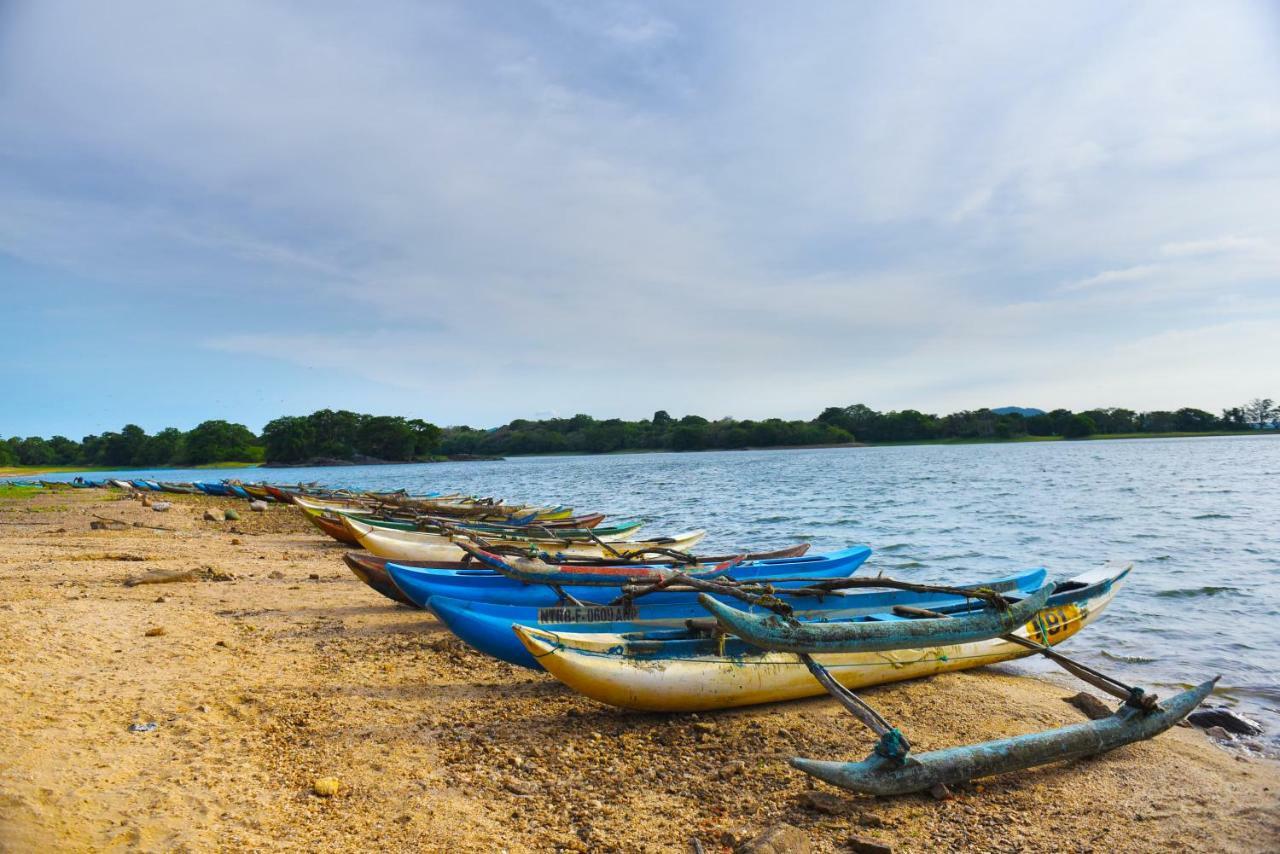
690,673
372,570
873,632
486,626
415,545
488,585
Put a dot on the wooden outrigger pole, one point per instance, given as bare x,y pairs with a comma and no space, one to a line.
891,769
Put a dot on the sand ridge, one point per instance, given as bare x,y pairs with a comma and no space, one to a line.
289,669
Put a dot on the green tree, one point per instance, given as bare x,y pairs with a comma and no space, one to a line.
337,433
289,439
166,448
221,441
386,437
689,437
1234,418
1191,420
426,437
34,451
1260,412
66,452
1078,426
123,448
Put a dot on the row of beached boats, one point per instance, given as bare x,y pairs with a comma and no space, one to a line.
645,623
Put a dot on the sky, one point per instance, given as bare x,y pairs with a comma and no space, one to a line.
477,211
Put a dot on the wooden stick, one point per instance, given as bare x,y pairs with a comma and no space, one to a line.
851,701
1083,672
761,592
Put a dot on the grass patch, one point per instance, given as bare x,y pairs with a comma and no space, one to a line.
19,471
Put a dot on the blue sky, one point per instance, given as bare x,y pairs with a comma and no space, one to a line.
470,212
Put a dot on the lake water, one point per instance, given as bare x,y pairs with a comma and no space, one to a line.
1200,518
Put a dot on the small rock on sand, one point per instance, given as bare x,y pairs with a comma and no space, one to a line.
326,787
779,839
823,802
258,506
520,787
276,574
730,769
1093,708
864,845
230,515
210,516
161,506
157,577
155,632
1217,733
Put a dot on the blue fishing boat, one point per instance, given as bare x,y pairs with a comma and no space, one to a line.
693,671
876,632
211,488
489,585
486,626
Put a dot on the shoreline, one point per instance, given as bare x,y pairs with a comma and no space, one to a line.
23,471
275,667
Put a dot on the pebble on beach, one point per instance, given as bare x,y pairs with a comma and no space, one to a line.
326,787
779,839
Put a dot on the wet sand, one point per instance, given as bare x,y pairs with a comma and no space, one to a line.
275,667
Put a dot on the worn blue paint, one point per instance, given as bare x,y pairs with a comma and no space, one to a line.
488,585
486,626
773,632
684,646
878,775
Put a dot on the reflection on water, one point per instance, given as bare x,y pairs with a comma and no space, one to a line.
1199,517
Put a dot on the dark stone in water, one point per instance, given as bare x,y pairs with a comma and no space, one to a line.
1226,719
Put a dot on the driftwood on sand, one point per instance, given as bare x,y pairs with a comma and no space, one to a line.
157,577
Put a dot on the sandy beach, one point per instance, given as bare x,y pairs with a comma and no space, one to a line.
274,666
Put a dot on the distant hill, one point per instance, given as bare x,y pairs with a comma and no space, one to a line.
1024,411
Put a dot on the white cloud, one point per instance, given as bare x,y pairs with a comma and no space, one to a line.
619,207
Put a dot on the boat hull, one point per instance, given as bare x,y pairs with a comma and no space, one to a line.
601,666
487,627
487,585
373,571
412,545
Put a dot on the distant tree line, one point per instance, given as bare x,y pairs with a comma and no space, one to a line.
584,434
344,435
909,425
835,425
209,442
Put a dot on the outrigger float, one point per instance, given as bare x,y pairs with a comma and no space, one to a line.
891,769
